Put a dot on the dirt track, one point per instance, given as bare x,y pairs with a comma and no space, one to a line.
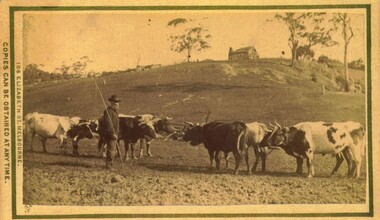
178,174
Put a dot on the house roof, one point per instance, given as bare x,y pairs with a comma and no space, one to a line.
245,49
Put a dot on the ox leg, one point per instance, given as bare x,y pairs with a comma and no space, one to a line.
226,157
118,153
339,160
64,146
310,167
211,154
357,160
263,162
60,143
31,140
246,157
101,145
142,143
347,157
217,159
132,151
299,166
75,148
43,141
356,168
257,158
237,160
148,153
126,147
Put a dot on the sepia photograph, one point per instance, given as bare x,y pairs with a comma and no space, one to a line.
189,111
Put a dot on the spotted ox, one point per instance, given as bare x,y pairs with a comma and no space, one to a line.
220,137
356,130
47,126
305,139
84,129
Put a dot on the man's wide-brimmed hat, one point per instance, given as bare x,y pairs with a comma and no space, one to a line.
114,98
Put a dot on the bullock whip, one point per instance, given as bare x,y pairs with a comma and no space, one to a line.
109,117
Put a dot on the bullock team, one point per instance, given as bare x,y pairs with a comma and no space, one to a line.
345,140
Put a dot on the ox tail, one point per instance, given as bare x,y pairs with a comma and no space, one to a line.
242,139
26,125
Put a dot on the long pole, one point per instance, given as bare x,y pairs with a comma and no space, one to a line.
109,117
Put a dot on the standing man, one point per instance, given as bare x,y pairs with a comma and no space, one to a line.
111,125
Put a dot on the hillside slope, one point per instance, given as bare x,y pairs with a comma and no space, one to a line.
248,91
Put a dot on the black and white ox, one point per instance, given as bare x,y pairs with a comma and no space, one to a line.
84,129
305,139
131,130
52,126
220,137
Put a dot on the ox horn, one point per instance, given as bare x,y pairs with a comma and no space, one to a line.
277,123
168,118
265,128
270,124
189,123
208,114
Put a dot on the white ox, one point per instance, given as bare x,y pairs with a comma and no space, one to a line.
48,126
305,139
257,134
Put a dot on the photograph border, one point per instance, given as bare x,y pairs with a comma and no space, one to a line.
367,7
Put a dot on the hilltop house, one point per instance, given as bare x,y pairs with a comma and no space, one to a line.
245,53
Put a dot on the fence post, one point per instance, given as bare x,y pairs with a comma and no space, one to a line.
323,89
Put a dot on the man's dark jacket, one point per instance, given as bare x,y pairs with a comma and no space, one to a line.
111,122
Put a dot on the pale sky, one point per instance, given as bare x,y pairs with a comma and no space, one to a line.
118,40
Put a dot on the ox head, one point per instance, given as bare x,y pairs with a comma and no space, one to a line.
148,130
279,135
163,124
192,133
75,120
83,130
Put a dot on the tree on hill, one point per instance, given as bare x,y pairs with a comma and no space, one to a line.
188,37
304,52
343,21
79,67
331,63
295,24
301,36
75,70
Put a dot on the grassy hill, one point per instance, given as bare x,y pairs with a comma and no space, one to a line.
258,90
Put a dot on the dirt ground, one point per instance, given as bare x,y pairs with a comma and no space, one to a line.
179,174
